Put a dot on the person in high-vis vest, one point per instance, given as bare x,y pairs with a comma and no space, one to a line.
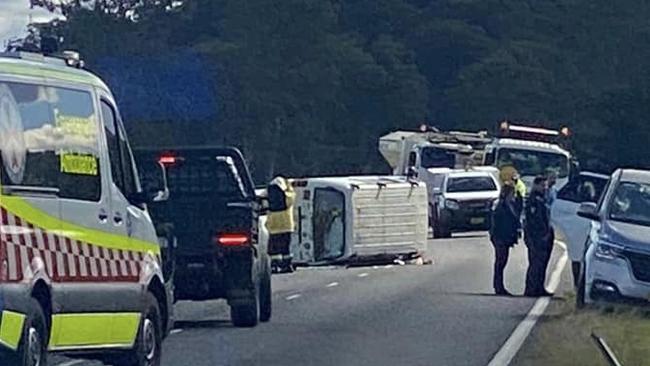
280,223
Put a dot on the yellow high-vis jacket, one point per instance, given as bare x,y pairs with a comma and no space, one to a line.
280,221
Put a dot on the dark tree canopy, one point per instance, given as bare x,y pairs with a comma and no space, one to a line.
306,87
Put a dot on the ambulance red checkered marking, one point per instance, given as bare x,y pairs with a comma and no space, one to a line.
65,259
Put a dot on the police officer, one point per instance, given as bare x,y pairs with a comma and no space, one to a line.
538,236
280,222
504,233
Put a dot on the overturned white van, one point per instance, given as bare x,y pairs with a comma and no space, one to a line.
343,219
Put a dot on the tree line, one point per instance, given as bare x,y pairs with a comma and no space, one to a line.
306,87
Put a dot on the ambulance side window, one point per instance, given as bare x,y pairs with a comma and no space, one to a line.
130,182
49,141
110,125
122,167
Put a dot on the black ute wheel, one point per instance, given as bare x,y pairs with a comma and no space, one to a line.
148,344
245,315
32,349
266,295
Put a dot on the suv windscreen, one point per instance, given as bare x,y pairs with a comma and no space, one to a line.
470,184
631,203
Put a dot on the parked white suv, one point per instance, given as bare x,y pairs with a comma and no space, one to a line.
617,261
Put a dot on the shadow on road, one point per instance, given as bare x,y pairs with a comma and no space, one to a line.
487,294
199,324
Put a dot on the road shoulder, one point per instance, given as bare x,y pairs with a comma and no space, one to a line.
563,334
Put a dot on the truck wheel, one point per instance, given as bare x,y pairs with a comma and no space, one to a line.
265,295
32,349
148,344
245,315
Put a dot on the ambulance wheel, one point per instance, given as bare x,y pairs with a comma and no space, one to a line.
246,315
265,295
32,349
148,344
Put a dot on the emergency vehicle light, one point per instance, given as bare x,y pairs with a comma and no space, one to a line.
232,239
167,160
565,131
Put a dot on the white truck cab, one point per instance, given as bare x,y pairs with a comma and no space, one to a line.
80,266
532,151
339,219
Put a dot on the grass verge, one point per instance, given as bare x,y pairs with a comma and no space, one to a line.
563,335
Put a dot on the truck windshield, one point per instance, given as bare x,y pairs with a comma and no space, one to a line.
470,184
532,163
434,157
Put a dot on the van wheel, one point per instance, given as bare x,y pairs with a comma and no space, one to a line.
148,344
32,349
265,295
246,315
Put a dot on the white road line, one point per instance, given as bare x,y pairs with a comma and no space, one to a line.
388,266
293,297
175,331
333,284
364,274
519,335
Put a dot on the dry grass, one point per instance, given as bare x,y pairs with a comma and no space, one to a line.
563,335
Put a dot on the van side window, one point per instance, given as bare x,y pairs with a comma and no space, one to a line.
122,168
110,126
49,140
130,180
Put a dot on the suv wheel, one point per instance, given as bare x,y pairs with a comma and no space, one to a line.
265,295
148,345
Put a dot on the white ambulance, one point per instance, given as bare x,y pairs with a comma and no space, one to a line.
79,259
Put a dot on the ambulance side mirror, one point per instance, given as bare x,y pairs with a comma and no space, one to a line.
154,183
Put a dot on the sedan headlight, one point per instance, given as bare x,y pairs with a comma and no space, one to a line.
452,204
605,250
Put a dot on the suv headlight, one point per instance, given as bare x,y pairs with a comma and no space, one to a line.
605,250
452,204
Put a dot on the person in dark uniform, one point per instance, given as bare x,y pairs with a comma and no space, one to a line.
538,236
503,234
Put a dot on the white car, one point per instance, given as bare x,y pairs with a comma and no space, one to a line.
463,202
569,227
617,261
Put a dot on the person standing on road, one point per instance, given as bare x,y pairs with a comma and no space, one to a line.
552,188
280,222
539,237
503,234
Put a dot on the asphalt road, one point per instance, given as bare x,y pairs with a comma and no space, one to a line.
439,314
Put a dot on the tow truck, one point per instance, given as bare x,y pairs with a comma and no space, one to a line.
429,153
532,151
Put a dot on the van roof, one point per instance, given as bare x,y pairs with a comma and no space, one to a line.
33,65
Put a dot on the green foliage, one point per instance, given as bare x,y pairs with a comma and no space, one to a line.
307,86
